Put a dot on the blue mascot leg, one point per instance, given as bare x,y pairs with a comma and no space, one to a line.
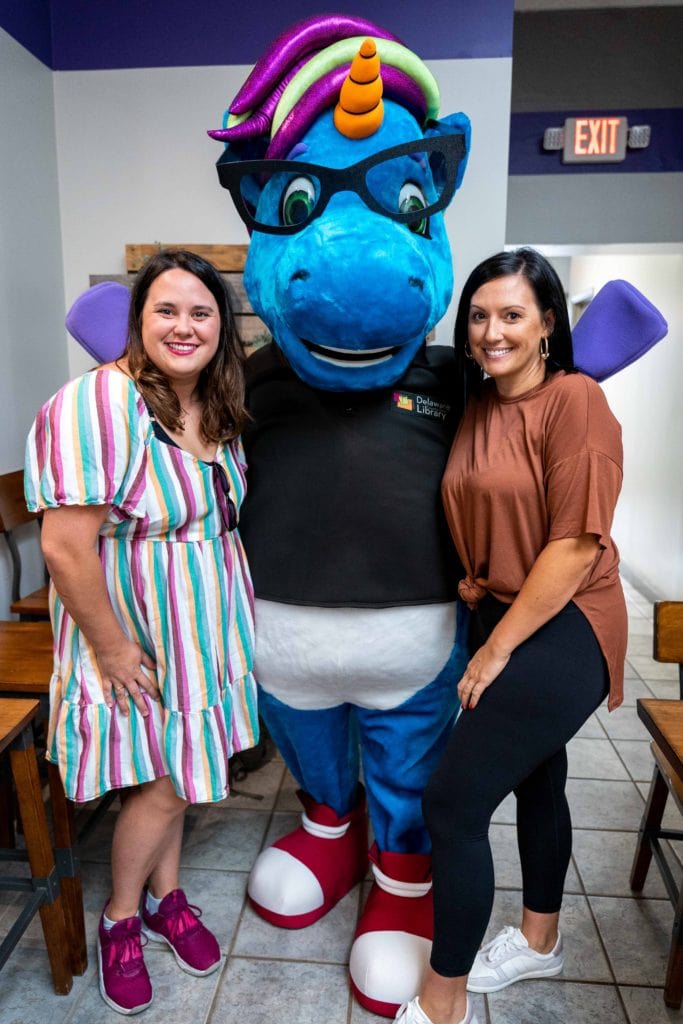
320,748
401,748
306,872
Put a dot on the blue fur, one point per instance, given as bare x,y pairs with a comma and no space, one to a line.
352,279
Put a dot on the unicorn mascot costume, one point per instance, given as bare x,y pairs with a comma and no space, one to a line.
339,165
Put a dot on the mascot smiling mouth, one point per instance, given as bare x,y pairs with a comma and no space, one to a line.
346,357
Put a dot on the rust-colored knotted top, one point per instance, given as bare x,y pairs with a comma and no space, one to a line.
470,592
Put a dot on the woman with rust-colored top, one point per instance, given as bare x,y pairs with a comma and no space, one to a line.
529,491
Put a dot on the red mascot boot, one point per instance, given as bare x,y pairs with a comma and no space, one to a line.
394,935
303,875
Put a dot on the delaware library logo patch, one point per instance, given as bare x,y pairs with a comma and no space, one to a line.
402,400
420,405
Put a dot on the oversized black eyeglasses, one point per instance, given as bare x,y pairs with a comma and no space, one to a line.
225,502
407,183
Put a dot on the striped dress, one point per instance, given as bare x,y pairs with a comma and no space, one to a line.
178,583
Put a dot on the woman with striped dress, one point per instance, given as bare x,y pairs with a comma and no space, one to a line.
140,473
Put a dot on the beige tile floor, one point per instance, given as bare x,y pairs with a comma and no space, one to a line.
616,944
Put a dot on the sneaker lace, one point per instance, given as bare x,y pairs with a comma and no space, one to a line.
184,920
129,953
505,942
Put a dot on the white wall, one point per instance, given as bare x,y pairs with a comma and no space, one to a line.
32,349
33,357
646,399
122,156
581,209
135,165
475,220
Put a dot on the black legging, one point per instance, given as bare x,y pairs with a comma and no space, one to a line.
514,740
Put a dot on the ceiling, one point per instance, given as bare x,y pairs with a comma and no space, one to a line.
567,5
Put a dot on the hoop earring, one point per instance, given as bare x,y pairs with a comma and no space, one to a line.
468,352
544,348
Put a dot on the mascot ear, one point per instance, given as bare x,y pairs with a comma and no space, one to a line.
618,327
98,320
453,124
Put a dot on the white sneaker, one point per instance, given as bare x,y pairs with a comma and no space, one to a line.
412,1013
508,958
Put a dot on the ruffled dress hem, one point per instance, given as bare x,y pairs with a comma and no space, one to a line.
99,749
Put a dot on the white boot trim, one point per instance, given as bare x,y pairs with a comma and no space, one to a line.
391,885
323,831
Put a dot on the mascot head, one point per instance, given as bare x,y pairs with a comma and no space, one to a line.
341,171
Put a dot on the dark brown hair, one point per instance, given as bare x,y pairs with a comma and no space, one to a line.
549,294
221,384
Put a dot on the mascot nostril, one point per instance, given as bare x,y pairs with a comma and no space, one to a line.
351,301
300,275
416,282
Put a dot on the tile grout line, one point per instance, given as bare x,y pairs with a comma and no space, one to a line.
620,998
230,955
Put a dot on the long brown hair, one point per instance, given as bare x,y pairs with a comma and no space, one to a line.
221,384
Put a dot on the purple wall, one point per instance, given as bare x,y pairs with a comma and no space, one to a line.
28,21
664,154
95,34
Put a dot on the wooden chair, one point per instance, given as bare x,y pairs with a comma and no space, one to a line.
25,669
668,635
42,890
13,513
664,721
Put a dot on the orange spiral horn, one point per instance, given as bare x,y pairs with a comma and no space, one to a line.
360,110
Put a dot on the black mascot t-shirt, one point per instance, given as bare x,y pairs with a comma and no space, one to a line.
343,503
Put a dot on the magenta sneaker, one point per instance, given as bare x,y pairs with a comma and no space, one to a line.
177,923
124,981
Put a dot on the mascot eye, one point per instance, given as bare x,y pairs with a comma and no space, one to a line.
298,201
410,198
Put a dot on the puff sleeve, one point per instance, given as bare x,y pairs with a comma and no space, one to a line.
87,446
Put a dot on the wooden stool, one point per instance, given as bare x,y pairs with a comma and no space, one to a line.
664,721
43,888
25,668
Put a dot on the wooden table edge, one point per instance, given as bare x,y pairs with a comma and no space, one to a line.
25,707
643,710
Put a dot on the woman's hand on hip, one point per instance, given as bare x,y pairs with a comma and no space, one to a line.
123,675
70,540
484,667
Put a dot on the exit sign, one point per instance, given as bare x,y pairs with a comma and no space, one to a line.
598,140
